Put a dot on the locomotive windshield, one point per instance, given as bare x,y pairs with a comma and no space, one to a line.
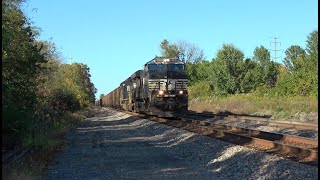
174,71
155,67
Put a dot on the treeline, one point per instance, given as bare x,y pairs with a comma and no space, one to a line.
230,72
37,89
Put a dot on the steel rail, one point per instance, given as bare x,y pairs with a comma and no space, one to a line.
280,144
15,156
248,118
275,143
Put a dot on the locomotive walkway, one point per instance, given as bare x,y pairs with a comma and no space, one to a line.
115,145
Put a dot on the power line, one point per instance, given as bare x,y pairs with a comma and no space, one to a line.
70,58
275,47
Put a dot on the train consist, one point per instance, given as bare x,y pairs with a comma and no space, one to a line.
159,89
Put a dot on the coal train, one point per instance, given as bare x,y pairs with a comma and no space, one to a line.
159,89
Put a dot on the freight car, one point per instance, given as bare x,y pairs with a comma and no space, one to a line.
159,89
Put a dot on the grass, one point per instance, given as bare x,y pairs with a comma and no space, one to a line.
33,167
46,145
297,108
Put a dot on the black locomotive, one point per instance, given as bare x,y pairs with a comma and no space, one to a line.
159,89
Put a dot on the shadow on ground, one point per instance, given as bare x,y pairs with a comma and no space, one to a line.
120,146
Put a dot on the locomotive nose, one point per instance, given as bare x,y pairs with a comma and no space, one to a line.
170,104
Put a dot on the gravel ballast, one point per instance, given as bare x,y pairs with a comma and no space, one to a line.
262,126
114,145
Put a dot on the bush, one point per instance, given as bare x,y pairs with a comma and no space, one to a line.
200,89
63,99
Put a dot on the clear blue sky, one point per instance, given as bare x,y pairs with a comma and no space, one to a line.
117,37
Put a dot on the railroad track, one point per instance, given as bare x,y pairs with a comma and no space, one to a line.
299,149
265,119
10,157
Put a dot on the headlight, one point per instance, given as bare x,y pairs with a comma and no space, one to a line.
180,92
160,92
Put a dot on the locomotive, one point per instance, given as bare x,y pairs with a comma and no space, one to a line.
159,89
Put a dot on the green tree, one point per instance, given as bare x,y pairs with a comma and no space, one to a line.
21,62
291,59
251,76
198,71
203,70
36,88
262,56
312,50
189,53
47,77
303,76
169,51
77,78
312,45
227,71
266,71
101,96
271,75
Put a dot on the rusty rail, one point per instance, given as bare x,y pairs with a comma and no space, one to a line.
247,118
280,144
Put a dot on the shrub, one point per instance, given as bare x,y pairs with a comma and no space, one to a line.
200,89
63,99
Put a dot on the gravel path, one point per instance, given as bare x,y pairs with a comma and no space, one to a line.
114,145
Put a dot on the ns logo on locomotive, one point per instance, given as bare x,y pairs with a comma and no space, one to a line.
159,89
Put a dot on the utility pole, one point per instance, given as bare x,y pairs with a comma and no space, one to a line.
275,47
70,58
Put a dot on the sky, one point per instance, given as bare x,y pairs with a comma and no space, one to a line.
115,38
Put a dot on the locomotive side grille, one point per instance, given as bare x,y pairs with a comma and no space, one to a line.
154,84
177,84
182,84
